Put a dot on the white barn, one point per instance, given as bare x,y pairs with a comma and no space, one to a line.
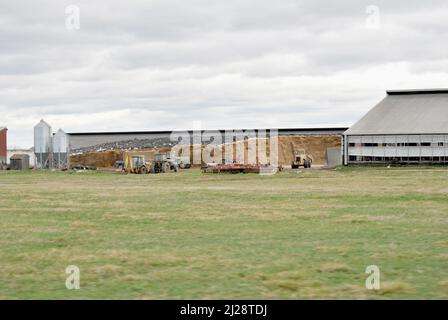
408,126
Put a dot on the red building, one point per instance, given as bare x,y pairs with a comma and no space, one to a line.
3,148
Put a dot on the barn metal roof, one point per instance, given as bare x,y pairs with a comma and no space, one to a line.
327,130
406,112
19,156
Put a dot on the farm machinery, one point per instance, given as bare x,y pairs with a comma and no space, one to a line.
164,163
301,159
136,164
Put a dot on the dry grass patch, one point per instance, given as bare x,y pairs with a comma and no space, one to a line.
395,287
331,267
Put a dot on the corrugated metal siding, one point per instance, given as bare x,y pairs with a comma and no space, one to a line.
386,147
20,162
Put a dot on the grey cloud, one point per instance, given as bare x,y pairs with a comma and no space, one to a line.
227,63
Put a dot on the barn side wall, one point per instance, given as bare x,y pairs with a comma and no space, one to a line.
397,149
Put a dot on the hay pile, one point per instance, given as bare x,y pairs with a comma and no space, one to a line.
107,159
98,159
148,153
316,146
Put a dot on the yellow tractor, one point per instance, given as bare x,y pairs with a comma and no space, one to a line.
301,159
136,164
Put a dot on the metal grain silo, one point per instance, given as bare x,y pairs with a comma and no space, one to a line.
60,149
43,145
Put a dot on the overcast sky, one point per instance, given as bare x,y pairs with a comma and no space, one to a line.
162,65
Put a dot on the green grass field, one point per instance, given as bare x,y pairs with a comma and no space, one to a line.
201,236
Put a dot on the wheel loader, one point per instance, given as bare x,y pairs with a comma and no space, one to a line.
301,159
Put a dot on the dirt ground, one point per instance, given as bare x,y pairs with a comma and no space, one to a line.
314,145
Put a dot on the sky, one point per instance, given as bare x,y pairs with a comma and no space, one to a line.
184,64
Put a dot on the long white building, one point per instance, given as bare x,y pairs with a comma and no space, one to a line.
408,126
